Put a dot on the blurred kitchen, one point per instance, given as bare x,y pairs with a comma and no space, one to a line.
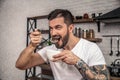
95,20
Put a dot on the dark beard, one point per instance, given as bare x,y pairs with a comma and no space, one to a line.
64,40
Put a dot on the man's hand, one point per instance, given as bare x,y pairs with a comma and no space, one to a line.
35,37
67,57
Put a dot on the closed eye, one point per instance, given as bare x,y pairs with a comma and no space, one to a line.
58,27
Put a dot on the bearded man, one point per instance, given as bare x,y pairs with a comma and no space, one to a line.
78,59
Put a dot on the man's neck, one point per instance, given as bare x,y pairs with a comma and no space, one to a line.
71,43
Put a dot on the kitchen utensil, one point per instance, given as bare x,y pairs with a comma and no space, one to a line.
114,69
118,52
111,51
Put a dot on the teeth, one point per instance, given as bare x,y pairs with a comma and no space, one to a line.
54,40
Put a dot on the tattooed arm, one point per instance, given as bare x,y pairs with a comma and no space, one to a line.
96,72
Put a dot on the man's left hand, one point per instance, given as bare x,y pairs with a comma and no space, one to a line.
66,56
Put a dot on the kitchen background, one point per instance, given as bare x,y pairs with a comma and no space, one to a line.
13,20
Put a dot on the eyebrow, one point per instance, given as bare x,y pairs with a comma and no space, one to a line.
55,26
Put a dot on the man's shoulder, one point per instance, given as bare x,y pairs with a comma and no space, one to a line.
86,42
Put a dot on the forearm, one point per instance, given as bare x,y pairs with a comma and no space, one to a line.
25,56
97,72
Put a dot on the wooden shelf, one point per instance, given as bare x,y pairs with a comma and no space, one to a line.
111,35
39,17
115,78
90,20
75,20
95,39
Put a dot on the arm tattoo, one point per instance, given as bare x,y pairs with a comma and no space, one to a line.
96,72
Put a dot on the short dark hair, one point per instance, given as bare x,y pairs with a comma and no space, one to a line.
67,15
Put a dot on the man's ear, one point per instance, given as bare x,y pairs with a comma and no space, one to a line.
71,28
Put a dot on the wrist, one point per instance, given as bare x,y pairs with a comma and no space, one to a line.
79,63
32,46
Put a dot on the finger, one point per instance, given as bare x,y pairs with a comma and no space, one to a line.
35,34
64,60
35,37
59,58
67,57
36,42
59,55
36,30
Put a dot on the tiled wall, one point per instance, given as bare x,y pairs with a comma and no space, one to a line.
13,14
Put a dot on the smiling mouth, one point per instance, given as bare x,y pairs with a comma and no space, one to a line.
55,39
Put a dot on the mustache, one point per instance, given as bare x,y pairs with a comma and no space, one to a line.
56,37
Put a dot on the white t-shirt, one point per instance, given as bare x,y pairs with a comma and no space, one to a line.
88,51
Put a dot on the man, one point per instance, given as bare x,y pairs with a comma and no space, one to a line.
80,59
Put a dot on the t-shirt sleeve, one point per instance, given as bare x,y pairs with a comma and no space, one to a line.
95,57
42,53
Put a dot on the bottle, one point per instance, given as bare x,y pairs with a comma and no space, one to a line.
84,33
75,33
79,32
91,34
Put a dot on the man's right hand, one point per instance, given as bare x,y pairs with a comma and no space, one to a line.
35,38
27,58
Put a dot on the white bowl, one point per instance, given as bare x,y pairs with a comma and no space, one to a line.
50,53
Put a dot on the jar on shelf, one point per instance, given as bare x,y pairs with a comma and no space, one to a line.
85,34
91,34
77,32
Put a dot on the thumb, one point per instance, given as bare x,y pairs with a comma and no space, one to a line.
36,29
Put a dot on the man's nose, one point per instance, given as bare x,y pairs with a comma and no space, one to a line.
53,32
